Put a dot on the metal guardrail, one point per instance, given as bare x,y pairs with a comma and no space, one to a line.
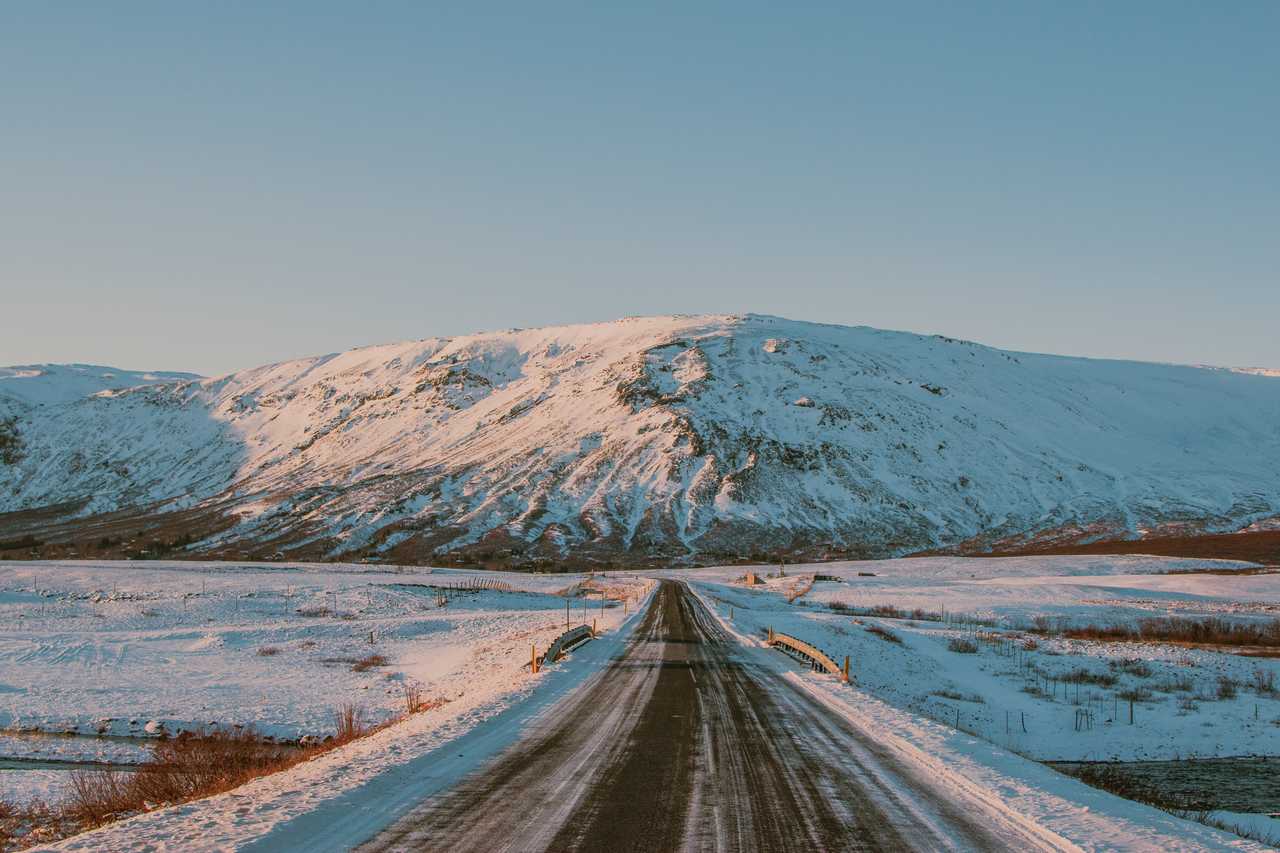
565,642
811,653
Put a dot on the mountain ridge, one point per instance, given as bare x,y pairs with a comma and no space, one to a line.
688,437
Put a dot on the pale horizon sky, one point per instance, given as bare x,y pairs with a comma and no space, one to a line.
190,187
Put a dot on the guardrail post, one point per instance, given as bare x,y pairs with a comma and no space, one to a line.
771,635
593,629
844,675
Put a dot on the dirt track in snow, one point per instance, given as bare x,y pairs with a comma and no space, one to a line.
679,745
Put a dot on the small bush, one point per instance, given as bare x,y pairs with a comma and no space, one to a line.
1264,682
1133,666
313,612
1135,694
349,719
960,697
412,696
368,662
1177,684
1030,645
268,651
1080,675
962,645
1226,687
884,634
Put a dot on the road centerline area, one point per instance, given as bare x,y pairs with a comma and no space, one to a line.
682,744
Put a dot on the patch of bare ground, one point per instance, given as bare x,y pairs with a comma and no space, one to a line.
1260,546
189,767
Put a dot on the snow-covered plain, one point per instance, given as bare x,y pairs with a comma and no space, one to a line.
97,659
1179,714
991,780
975,713
80,654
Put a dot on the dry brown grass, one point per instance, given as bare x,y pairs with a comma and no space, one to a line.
368,662
267,651
1211,630
28,824
886,611
188,767
1264,682
350,722
884,634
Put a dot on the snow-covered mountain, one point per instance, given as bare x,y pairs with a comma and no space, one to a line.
35,384
692,437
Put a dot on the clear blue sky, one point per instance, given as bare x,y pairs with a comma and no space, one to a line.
210,186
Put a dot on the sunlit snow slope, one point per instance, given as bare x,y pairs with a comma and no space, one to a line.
691,437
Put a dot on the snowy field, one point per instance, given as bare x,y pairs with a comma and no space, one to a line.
1015,683
1021,677
112,653
98,659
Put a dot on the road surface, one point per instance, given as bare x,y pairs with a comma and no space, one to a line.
681,745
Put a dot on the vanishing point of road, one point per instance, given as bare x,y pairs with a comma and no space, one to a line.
680,744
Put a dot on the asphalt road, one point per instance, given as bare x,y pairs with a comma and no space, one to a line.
680,745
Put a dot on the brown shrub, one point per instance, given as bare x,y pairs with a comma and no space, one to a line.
412,696
1080,675
884,634
1211,630
368,662
1133,666
192,765
267,651
1264,682
350,722
188,767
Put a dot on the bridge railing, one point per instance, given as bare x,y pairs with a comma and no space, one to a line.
810,653
565,642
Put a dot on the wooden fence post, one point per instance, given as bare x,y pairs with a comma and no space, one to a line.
533,659
845,673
